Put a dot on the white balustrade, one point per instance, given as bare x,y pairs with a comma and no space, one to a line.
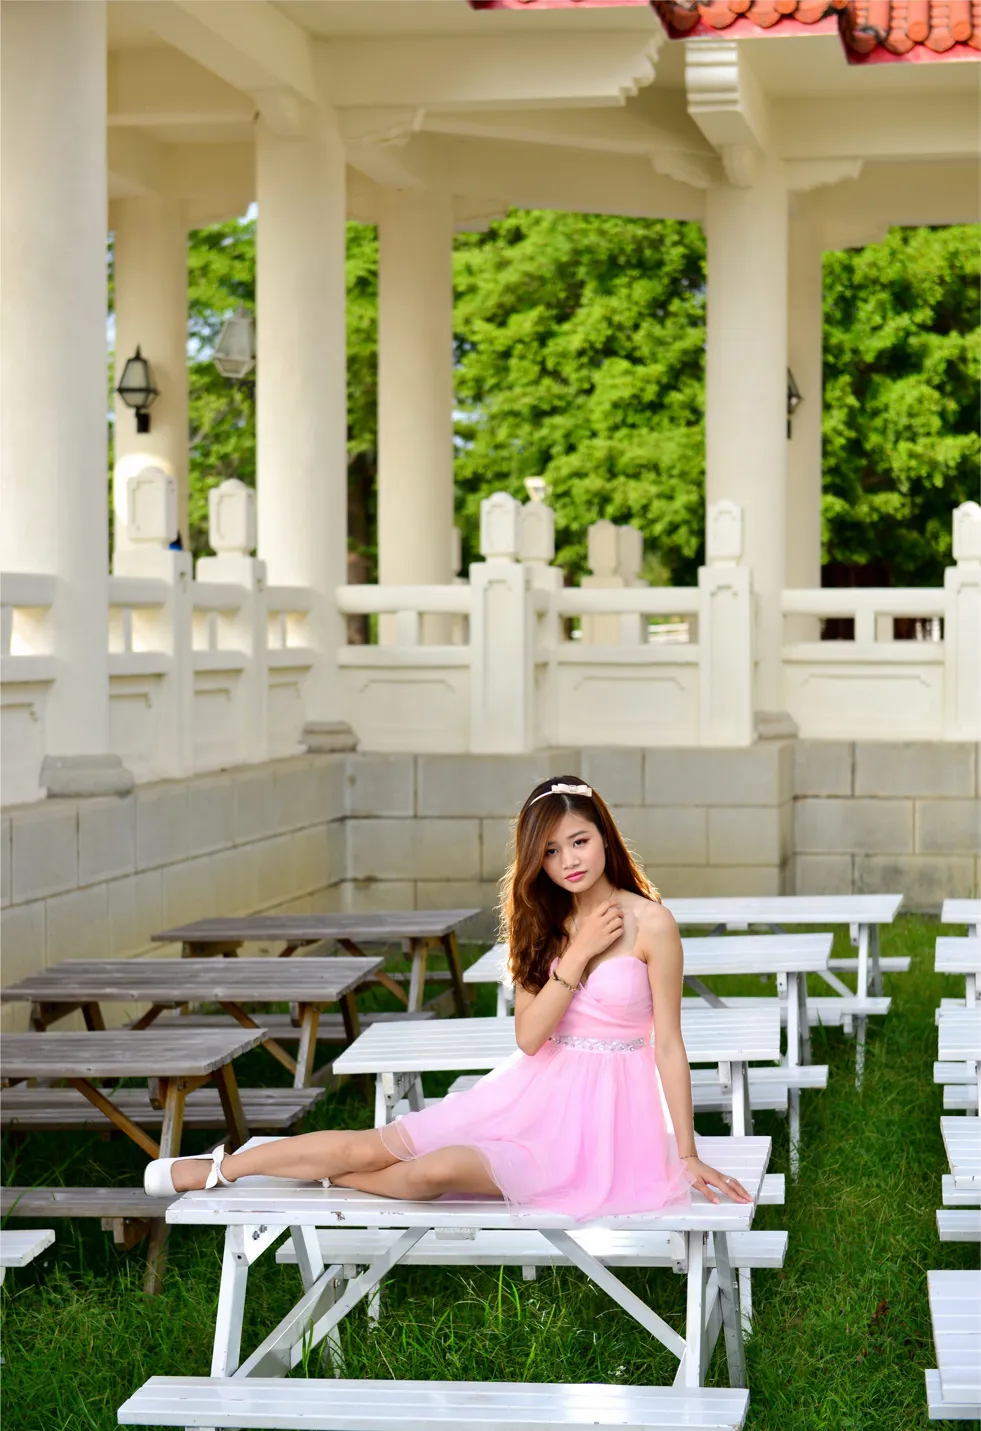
218,671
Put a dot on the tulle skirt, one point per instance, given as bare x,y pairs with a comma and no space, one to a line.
570,1129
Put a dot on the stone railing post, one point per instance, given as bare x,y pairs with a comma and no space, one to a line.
725,624
616,555
502,635
151,526
232,536
962,628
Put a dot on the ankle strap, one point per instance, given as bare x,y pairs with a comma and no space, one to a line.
216,1176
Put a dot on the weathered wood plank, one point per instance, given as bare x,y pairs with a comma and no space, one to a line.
396,924
266,1109
168,1053
173,981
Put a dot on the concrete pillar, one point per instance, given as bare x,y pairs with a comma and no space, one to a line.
53,363
746,393
415,391
804,353
301,385
151,311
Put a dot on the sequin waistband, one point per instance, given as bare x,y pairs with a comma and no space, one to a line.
600,1045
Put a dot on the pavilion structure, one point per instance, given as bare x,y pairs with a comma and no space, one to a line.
786,129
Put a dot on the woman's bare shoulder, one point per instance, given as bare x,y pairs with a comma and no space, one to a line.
657,925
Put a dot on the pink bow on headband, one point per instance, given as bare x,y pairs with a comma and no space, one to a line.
564,790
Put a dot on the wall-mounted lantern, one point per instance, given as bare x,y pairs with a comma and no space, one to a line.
234,354
137,390
794,398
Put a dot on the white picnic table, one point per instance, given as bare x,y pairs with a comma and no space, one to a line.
954,1389
399,1054
959,1043
256,1212
789,958
962,1141
963,911
863,913
960,956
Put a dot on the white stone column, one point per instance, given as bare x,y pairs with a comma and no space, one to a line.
415,391
53,362
804,355
150,249
301,376
746,393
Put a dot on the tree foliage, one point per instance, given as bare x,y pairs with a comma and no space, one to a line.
901,373
580,358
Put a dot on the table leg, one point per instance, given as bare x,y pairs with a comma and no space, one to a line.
269,1044
452,947
695,1313
379,976
231,1103
351,1017
94,1022
874,951
117,1116
227,1347
417,982
307,1051
170,1146
971,991
735,1351
862,988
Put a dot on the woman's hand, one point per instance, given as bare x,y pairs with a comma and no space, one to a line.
706,1178
601,928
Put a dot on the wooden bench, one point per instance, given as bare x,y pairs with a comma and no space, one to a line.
959,1224
282,1027
428,1405
267,1110
954,1389
125,1212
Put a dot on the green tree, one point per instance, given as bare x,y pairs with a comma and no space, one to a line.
901,369
580,358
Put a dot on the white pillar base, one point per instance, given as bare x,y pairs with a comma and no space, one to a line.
71,776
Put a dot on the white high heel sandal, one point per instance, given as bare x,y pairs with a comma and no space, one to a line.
158,1180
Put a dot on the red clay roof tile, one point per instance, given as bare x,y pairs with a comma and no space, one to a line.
872,31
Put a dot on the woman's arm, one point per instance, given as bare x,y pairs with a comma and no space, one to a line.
665,964
537,1013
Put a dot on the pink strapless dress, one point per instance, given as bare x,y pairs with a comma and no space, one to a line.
577,1127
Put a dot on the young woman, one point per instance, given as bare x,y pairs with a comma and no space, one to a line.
573,1122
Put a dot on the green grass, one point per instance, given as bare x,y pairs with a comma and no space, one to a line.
841,1337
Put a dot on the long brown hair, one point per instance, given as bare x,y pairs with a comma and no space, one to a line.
534,909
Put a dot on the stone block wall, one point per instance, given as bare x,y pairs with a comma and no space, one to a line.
888,815
90,879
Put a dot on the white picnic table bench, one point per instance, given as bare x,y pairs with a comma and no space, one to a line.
19,1248
963,911
311,984
420,931
960,956
863,913
251,1393
789,958
954,1388
179,1060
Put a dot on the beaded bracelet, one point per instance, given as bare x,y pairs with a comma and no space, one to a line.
573,988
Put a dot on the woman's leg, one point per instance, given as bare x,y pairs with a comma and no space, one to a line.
448,1170
308,1156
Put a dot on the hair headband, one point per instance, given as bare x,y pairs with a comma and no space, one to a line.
564,790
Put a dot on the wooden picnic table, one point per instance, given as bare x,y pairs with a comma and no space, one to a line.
399,1054
180,1060
257,1211
423,930
954,1389
168,983
959,1041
